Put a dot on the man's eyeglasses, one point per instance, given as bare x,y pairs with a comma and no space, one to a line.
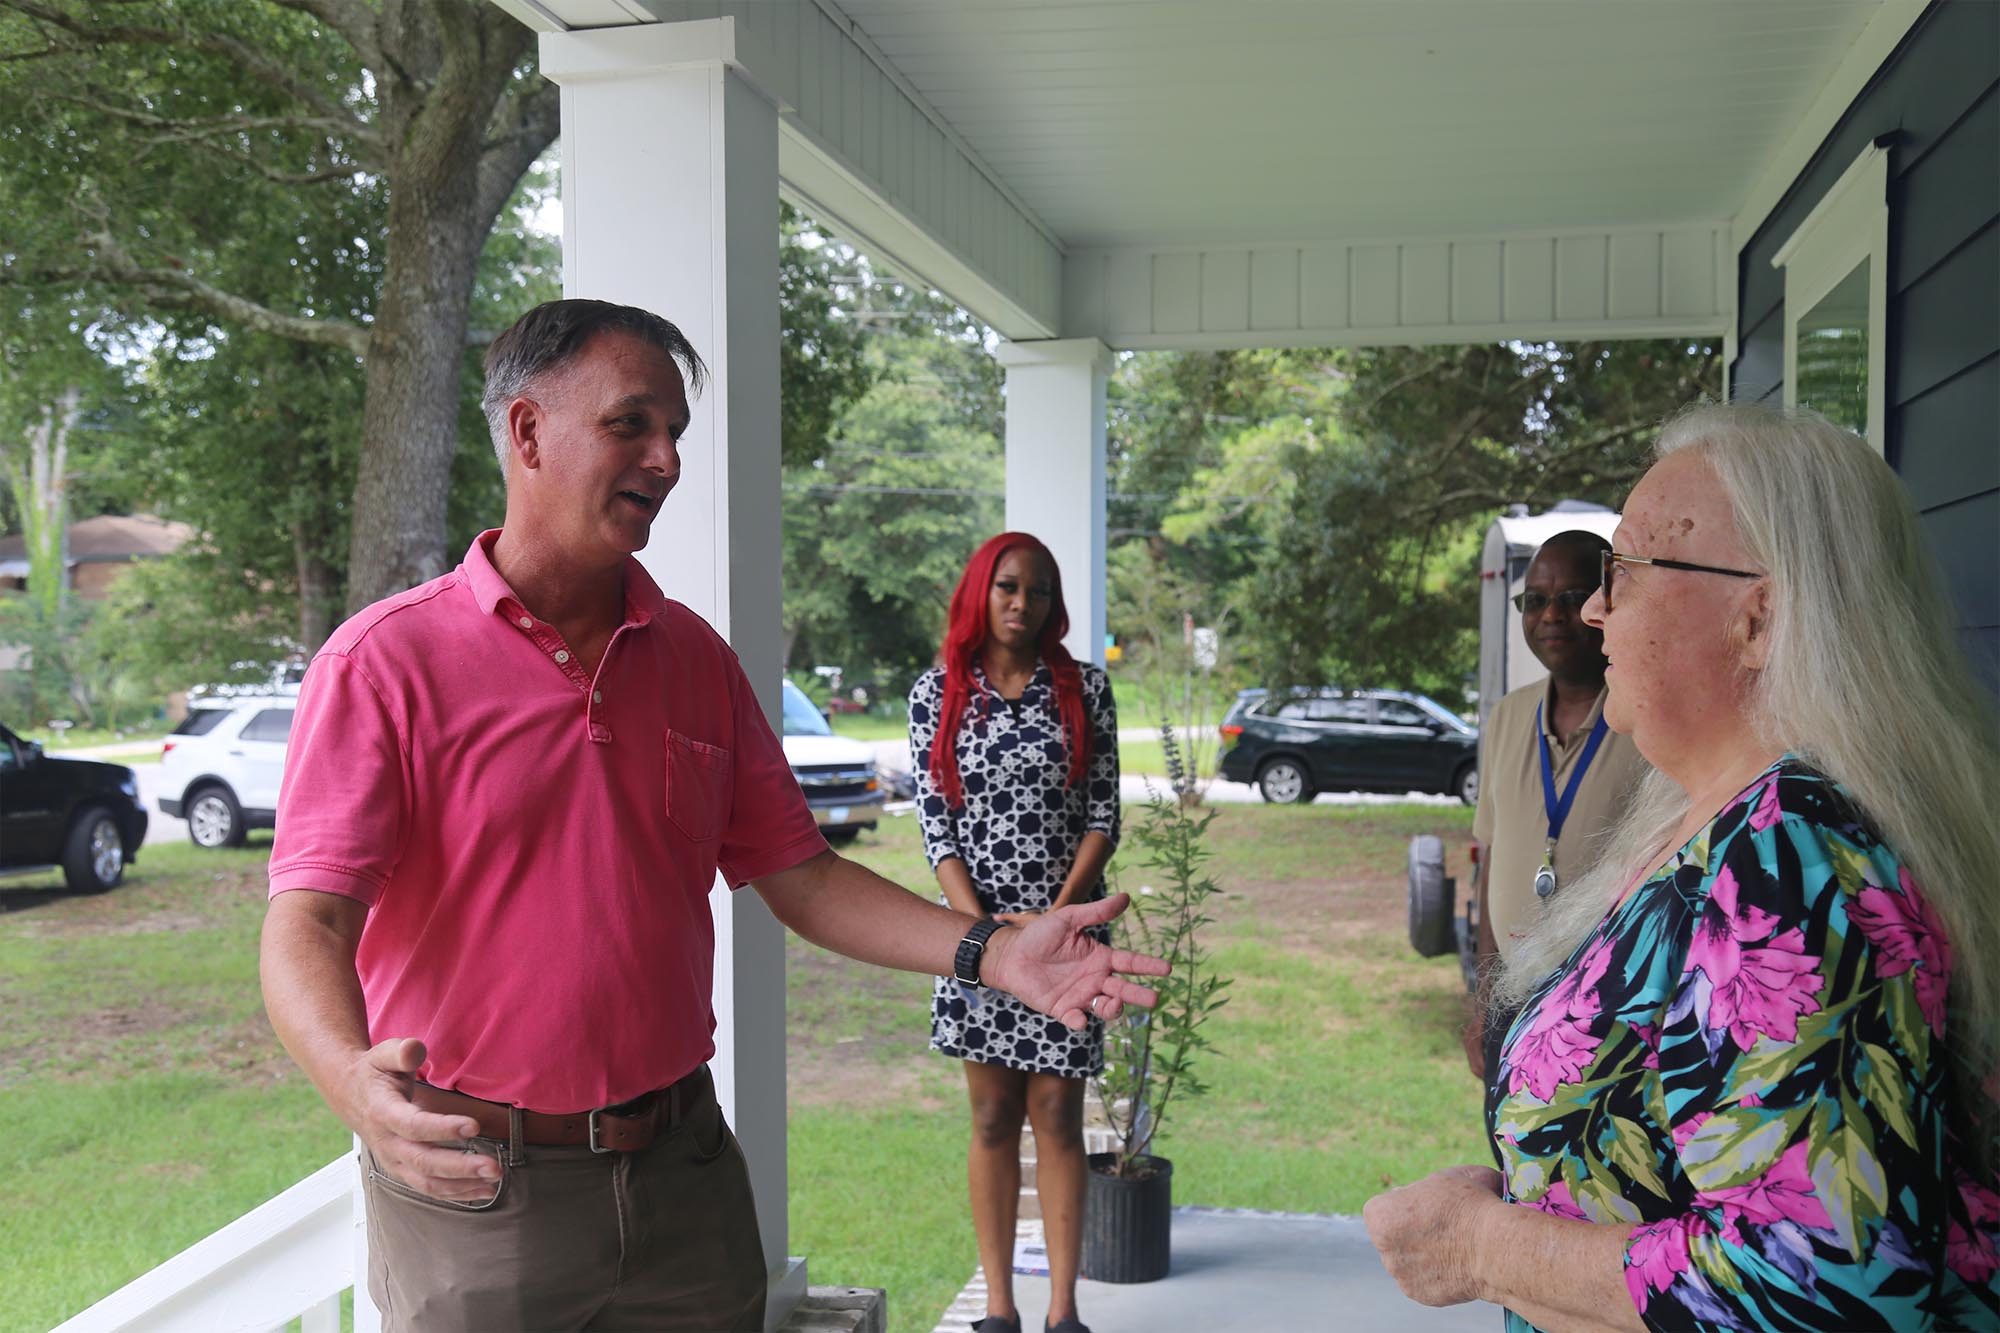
1569,599
1613,559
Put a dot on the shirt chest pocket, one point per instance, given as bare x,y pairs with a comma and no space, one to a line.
697,787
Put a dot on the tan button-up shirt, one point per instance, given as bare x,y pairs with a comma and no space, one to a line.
1512,820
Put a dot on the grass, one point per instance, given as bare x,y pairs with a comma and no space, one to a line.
151,1103
78,737
1148,758
1140,705
870,727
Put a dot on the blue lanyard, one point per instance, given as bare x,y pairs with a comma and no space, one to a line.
1558,811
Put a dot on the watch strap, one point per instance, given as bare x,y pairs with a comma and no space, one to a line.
971,951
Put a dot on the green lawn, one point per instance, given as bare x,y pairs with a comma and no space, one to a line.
77,737
152,1104
870,726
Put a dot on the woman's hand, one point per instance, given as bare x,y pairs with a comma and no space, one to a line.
1015,918
1428,1232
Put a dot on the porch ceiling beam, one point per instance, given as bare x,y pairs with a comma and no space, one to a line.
1626,282
858,147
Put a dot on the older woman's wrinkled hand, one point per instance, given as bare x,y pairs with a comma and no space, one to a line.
1428,1232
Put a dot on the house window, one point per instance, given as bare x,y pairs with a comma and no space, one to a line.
1836,293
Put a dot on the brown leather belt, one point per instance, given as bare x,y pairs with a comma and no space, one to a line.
626,1127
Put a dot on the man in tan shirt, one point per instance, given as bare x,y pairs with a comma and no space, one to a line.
1518,811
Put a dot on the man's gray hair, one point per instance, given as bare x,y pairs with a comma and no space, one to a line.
1865,681
551,335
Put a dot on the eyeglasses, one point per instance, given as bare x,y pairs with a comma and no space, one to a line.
1569,599
1612,559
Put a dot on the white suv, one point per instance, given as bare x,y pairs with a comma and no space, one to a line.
222,766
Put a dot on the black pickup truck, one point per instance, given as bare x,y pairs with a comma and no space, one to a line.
75,813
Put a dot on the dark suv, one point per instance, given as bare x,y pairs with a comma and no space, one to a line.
75,813
1296,745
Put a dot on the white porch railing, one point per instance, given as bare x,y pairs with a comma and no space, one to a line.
290,1258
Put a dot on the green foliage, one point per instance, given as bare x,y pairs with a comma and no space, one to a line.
74,668
194,617
1334,501
1150,1056
1160,607
821,362
877,529
1377,580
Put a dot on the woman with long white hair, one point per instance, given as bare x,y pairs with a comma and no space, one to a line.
1751,1084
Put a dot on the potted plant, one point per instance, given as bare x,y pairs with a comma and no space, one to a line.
1150,1055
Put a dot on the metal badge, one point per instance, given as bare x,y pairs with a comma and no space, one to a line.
1545,881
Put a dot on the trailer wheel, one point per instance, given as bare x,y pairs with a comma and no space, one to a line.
1433,933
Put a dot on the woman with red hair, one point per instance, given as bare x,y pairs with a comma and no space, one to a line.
1015,747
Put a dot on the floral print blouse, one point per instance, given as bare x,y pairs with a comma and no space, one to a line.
1747,1058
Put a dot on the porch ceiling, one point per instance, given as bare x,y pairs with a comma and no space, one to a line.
1163,122
1195,172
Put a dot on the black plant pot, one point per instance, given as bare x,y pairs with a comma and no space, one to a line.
1128,1221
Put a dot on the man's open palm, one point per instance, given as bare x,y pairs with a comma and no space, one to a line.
1056,968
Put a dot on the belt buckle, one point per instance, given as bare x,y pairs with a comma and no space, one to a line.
593,1132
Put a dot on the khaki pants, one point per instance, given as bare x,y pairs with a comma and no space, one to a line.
660,1239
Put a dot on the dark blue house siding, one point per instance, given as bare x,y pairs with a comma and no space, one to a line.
1938,97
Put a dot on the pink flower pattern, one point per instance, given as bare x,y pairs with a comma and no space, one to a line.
1690,1007
1971,1252
1559,1043
1768,812
1657,1254
1557,1201
1752,991
1782,1194
1906,934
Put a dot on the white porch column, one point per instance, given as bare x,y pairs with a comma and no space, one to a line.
1055,469
670,202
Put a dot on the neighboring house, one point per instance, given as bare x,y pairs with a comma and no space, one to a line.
100,550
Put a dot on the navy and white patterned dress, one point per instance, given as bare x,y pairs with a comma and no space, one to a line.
1018,833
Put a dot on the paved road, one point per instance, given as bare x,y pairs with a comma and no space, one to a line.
1136,787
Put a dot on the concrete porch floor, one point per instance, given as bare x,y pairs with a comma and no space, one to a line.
1249,1272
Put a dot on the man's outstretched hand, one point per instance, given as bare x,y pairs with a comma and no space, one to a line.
1051,965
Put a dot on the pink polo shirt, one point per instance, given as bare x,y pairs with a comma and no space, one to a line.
536,846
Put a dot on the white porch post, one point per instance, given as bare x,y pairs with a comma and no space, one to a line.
670,202
1055,469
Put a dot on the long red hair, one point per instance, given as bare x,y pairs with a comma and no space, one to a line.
964,638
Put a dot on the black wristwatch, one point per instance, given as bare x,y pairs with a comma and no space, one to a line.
971,949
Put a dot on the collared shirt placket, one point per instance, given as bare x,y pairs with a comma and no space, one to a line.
544,636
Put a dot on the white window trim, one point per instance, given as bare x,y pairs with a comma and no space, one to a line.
1850,224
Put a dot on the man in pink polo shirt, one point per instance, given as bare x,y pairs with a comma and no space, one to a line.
489,944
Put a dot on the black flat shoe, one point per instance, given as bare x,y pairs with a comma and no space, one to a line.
995,1323
1066,1326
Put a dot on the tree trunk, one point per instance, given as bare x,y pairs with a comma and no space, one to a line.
42,495
316,588
409,427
